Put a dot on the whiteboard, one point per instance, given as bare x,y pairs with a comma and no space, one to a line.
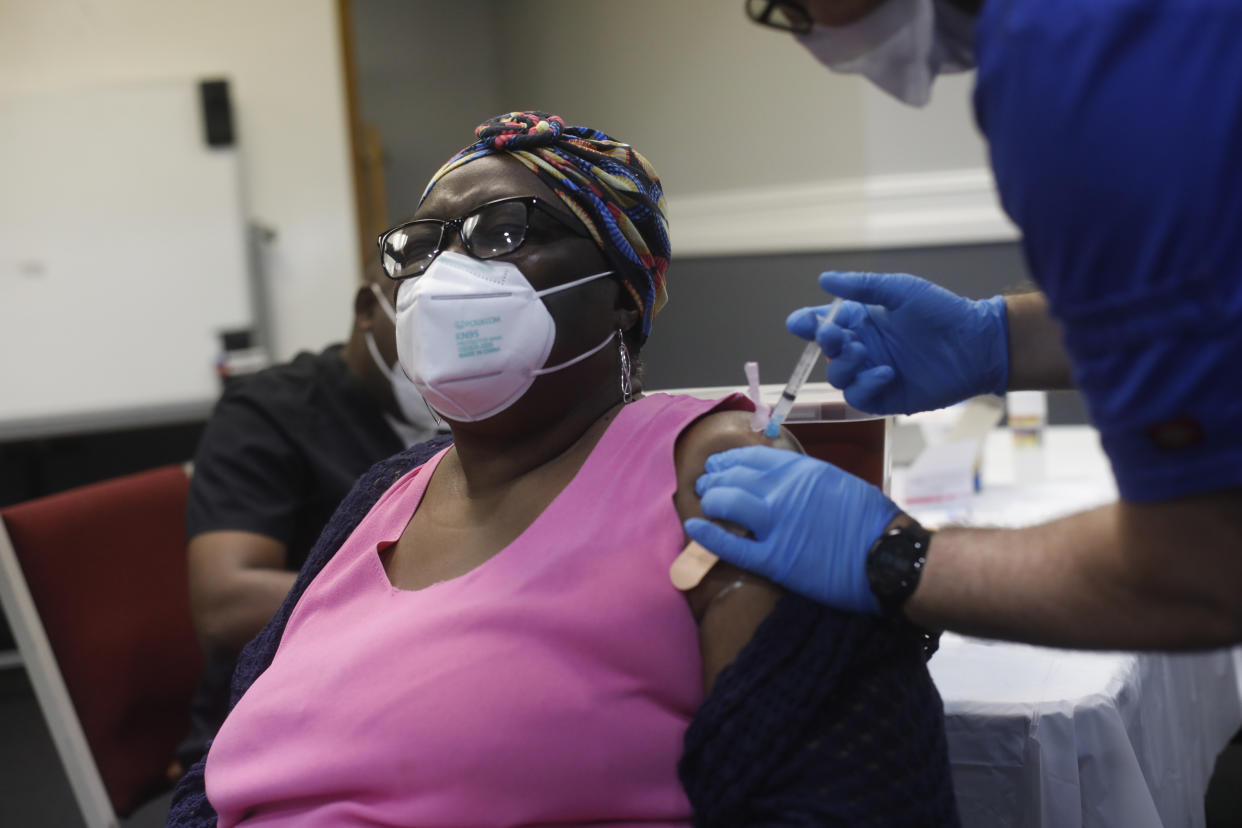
122,257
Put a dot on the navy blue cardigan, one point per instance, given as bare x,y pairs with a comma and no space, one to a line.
825,718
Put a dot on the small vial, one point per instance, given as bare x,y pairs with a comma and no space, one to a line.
1028,414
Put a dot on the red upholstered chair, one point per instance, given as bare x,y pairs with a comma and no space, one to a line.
93,582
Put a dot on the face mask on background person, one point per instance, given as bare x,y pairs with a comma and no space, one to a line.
474,334
413,408
900,46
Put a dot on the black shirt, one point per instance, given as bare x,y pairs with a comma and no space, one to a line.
282,449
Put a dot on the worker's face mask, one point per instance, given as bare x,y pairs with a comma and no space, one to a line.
413,408
475,334
901,46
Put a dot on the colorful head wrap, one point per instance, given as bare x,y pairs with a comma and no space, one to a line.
608,185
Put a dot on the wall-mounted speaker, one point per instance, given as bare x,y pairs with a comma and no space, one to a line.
217,113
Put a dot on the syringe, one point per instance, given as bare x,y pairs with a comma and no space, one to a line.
806,363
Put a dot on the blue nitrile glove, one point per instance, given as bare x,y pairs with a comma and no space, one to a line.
913,346
812,523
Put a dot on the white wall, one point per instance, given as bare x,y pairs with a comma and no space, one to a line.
283,60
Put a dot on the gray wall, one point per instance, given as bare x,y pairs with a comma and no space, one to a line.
718,103
723,312
427,74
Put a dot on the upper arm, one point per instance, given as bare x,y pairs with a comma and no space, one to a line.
1186,553
216,555
217,561
729,603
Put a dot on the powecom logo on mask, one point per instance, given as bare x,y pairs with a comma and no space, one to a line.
471,342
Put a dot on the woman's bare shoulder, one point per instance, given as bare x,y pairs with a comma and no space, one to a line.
716,432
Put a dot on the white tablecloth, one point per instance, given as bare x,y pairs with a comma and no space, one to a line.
1046,737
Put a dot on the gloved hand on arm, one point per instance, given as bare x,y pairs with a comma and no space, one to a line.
812,523
902,344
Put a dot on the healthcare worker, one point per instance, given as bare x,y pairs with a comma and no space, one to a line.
1115,133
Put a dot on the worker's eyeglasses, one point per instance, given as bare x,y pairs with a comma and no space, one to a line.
786,15
488,231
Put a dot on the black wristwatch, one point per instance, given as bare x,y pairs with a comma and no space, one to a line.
894,564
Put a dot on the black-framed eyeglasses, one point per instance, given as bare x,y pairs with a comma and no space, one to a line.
786,15
489,230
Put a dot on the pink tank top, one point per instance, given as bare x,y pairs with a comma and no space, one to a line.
551,685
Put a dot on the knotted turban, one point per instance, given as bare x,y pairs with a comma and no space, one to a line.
606,184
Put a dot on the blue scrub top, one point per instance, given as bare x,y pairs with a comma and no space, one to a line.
1115,128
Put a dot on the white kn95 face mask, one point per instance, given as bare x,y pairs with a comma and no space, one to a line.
413,409
900,46
474,334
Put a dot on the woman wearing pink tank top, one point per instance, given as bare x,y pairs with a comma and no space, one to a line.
497,642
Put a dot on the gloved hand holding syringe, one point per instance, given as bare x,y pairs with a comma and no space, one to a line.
811,355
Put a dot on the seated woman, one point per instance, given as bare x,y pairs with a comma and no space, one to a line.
492,637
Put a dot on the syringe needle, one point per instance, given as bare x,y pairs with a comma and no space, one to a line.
802,369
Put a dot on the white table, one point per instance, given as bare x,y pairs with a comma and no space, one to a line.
1047,737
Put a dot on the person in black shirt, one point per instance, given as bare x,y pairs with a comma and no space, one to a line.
282,448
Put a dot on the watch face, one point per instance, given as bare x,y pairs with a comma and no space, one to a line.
895,563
